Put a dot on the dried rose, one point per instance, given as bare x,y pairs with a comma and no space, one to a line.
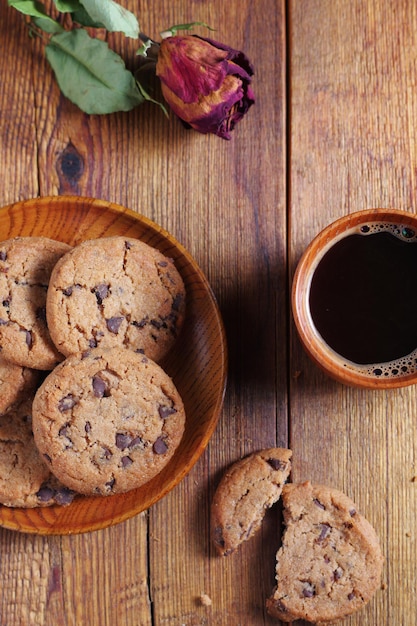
207,84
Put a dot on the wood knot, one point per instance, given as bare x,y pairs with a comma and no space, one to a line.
70,168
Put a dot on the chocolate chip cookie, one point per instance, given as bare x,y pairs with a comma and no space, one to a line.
25,267
248,488
115,291
107,420
16,383
25,480
330,562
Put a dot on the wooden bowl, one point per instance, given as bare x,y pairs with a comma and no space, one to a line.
320,352
197,364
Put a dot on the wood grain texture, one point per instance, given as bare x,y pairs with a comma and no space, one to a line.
352,135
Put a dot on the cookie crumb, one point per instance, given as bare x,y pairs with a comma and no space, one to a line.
205,600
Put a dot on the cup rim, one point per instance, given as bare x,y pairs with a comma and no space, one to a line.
314,345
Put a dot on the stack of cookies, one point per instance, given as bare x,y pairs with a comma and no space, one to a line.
85,406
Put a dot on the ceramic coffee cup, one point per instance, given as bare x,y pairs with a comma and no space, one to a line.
354,299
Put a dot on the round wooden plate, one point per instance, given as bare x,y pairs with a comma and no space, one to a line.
197,364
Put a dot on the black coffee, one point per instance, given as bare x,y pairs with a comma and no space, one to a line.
363,297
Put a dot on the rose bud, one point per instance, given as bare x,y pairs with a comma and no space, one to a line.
205,83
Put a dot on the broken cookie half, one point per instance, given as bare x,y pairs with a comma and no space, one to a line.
248,488
330,562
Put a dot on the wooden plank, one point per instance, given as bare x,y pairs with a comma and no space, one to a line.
97,578
230,197
353,121
24,559
17,120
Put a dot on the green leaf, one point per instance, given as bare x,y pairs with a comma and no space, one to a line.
90,74
32,8
28,7
81,17
48,25
78,13
37,12
113,16
67,6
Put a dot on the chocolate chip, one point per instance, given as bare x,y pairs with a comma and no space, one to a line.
338,573
87,427
3,255
63,431
177,302
101,292
6,303
113,324
100,387
128,245
324,532
110,484
351,595
166,411
106,453
218,536
281,606
45,493
126,461
319,504
3,322
308,590
137,442
277,464
123,441
160,446
29,338
67,403
68,291
64,496
352,512
158,324
140,324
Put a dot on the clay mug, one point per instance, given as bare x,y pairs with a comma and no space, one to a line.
353,295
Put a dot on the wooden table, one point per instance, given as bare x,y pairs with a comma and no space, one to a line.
333,131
